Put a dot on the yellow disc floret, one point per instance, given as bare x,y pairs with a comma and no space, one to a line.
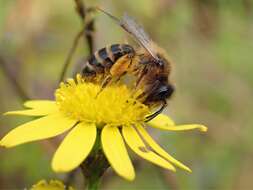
51,185
86,102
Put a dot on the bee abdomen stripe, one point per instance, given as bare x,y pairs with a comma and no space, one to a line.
88,70
104,56
117,51
109,53
95,61
102,53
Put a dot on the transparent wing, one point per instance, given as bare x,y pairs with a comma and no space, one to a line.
130,25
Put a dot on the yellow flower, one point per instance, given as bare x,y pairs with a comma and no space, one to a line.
52,185
114,112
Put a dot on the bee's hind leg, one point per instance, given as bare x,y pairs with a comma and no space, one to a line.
109,80
104,83
153,115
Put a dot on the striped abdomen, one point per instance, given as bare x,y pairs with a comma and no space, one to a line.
102,60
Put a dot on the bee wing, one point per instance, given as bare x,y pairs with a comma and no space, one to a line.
130,25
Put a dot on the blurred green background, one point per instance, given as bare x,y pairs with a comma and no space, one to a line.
211,43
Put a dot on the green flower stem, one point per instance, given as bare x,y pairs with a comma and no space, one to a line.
95,166
93,183
93,169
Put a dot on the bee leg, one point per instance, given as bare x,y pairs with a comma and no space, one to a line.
143,73
153,115
105,82
149,90
111,79
138,83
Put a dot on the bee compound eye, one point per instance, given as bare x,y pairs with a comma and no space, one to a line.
161,93
166,91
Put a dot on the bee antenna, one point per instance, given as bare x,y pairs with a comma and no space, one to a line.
108,14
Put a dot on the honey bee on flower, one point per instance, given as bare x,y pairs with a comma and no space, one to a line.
149,64
114,119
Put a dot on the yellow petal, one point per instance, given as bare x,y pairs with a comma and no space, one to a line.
32,112
202,128
137,145
159,150
161,121
116,153
45,127
39,108
75,147
39,103
164,122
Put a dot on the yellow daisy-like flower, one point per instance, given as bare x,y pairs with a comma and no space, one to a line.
114,112
51,185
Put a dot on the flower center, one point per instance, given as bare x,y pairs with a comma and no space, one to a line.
86,102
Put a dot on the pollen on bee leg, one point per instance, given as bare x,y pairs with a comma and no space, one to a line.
121,66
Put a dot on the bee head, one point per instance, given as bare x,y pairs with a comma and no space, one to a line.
162,92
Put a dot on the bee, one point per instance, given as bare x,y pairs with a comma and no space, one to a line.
148,63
